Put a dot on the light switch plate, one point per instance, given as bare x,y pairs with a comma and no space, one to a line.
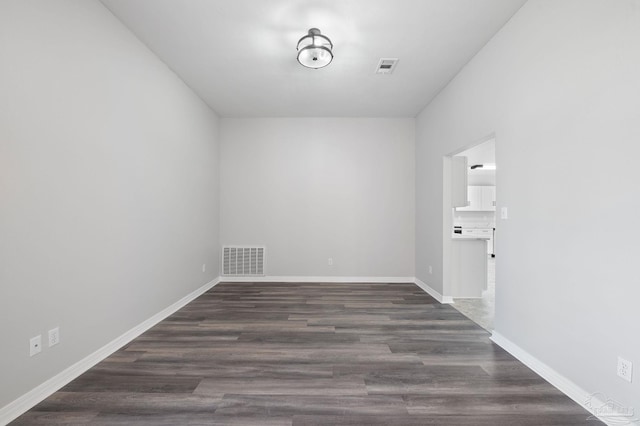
504,213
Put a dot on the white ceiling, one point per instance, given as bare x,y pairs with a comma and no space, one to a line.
240,55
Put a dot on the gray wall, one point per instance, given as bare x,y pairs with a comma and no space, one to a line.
314,188
559,85
108,185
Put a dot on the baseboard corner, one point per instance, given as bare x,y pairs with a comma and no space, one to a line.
24,403
432,292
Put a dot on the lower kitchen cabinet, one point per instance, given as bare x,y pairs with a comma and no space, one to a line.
469,267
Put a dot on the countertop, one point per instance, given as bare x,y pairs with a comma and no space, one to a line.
464,237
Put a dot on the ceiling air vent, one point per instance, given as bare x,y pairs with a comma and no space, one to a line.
386,65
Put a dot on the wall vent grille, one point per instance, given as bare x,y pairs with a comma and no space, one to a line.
243,261
386,65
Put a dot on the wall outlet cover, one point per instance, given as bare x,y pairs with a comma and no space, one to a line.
625,369
35,345
54,336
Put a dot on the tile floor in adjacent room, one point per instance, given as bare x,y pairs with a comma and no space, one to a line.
481,310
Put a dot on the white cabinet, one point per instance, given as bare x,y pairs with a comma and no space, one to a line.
480,199
488,198
475,198
483,233
459,181
469,268
477,233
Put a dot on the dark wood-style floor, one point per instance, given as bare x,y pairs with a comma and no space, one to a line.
310,354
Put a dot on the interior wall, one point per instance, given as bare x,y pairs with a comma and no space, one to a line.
559,87
108,185
310,189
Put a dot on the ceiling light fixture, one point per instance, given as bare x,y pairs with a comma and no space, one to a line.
315,50
486,166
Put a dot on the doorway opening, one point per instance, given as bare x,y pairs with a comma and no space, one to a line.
469,219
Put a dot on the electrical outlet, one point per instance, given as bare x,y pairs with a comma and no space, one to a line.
330,261
204,267
35,345
430,269
625,369
54,336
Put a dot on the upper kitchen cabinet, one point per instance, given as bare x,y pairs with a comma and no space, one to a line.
459,181
474,202
480,199
488,195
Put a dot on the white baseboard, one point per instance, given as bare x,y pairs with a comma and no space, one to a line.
306,279
433,293
588,400
27,401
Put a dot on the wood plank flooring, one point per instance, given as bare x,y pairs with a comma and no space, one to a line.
310,354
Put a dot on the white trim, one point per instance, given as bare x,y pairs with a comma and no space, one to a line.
304,279
27,401
328,279
562,383
433,293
